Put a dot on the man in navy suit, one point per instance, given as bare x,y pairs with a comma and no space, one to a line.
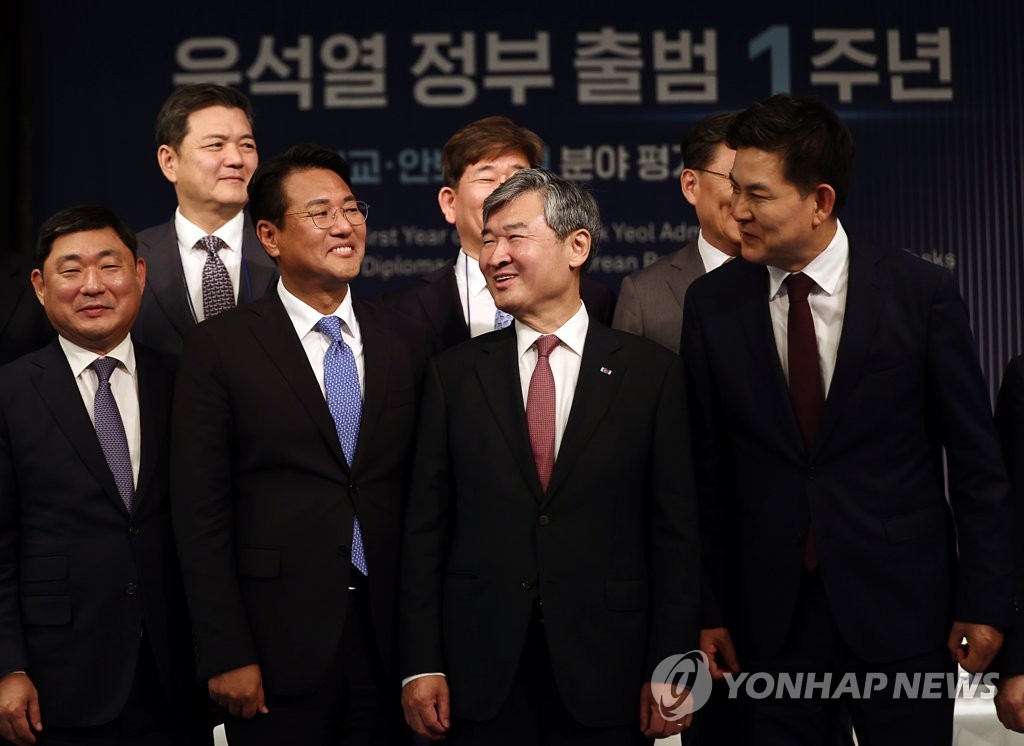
834,389
542,584
454,300
94,642
207,150
287,502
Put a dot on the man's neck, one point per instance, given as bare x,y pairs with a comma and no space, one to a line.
208,219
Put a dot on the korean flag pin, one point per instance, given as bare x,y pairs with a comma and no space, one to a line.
606,371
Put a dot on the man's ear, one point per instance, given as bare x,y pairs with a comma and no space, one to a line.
446,200
824,203
167,159
688,185
267,233
579,247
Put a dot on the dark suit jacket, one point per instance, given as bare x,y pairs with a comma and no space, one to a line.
166,314
79,577
1010,422
906,385
23,324
611,546
264,501
651,300
433,299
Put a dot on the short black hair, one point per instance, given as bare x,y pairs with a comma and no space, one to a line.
701,140
79,220
172,121
815,146
266,195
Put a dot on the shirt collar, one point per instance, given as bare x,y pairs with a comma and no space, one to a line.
826,269
468,268
80,358
230,233
711,256
304,317
572,334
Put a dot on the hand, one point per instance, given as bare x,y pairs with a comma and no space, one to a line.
715,642
1010,703
653,716
426,706
983,642
239,690
19,709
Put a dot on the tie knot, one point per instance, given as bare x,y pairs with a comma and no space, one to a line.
330,327
501,319
798,285
104,366
210,244
546,343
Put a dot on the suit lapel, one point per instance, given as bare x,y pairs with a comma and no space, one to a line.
258,269
864,300
445,309
154,388
58,390
274,332
166,278
497,370
595,390
687,266
15,287
377,345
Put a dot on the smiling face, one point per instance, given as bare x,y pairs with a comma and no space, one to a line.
211,168
532,274
463,206
709,190
316,265
779,226
91,287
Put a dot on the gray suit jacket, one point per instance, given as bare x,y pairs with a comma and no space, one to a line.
651,300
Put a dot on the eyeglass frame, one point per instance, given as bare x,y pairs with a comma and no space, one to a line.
363,208
713,173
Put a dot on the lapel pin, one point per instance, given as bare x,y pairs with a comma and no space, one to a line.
606,371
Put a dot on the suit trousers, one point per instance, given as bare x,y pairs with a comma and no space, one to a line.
881,715
533,713
358,704
146,719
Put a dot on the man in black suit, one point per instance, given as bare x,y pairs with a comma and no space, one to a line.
542,585
23,325
290,475
651,300
94,639
454,300
207,257
1010,423
832,384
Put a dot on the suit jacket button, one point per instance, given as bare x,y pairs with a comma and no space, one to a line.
543,520
134,530
353,488
526,585
131,589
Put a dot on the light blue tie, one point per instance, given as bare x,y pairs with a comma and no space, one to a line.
501,319
341,386
110,432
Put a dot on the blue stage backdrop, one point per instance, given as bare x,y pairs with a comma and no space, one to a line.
931,91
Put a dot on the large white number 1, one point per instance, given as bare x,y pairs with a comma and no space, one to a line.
775,40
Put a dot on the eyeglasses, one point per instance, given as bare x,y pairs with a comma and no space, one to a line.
354,212
713,173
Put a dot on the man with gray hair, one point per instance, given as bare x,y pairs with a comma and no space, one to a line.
540,588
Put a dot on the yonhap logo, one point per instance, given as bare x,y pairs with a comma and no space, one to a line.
682,684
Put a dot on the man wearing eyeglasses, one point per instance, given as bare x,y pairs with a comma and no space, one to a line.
293,433
651,300
206,259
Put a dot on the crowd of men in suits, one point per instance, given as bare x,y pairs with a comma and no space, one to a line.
484,508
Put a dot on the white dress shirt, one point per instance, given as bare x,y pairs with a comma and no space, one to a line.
193,259
477,304
304,318
710,256
124,385
830,271
565,363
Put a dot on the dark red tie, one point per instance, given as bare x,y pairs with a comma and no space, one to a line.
806,391
540,410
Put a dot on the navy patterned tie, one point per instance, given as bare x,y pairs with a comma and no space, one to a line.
110,431
341,386
501,319
218,296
